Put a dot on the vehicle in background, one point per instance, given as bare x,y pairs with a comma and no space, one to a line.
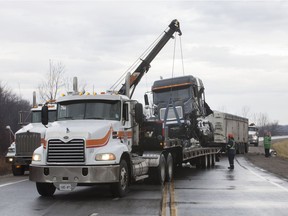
253,134
224,124
28,138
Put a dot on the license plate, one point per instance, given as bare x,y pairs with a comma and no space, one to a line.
65,187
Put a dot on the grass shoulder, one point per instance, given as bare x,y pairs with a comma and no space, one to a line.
281,148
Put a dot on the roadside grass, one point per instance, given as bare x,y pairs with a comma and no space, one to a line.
281,148
5,168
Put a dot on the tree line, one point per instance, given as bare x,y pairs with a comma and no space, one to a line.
262,121
10,105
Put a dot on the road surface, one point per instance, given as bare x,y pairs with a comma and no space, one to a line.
247,190
213,191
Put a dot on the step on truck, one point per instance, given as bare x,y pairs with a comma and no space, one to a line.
29,137
105,138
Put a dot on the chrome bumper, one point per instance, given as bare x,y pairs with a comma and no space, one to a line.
74,174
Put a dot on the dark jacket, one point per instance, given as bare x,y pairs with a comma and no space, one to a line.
231,146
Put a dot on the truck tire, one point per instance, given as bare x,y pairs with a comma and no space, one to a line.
18,171
169,167
203,161
45,189
246,148
212,160
208,159
120,189
158,174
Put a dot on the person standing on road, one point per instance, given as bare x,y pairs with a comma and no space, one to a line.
267,143
231,151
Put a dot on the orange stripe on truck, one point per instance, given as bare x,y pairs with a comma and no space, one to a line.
93,143
122,134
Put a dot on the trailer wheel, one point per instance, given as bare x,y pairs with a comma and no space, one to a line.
45,189
169,167
18,171
208,159
213,160
204,161
198,162
120,188
246,147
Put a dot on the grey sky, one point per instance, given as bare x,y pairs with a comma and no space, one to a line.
238,48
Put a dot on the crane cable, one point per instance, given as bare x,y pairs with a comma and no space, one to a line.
182,58
174,51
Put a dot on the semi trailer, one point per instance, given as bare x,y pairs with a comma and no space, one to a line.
224,124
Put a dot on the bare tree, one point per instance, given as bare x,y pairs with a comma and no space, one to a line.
245,111
49,88
262,119
10,105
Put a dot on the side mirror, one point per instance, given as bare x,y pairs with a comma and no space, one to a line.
139,113
146,100
44,115
125,114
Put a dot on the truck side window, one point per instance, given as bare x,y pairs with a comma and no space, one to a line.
125,112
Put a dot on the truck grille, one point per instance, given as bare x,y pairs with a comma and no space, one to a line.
171,114
26,143
66,152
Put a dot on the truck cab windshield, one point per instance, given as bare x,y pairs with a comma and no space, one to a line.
36,116
177,94
94,109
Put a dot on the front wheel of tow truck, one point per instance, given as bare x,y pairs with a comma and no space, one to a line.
120,188
45,189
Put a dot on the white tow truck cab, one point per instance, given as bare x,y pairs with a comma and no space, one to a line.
91,142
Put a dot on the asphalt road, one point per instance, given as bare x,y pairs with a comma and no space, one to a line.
18,196
247,190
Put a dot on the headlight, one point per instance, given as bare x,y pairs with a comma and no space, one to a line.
105,157
36,157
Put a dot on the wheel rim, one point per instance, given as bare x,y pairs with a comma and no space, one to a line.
123,178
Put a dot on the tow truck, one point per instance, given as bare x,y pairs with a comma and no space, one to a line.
106,139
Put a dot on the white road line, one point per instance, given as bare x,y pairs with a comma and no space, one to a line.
266,179
11,183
